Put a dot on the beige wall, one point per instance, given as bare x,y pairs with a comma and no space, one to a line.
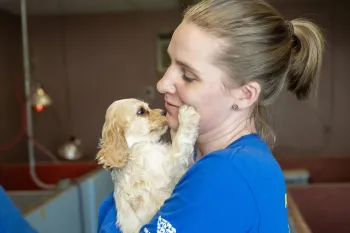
108,57
113,56
321,126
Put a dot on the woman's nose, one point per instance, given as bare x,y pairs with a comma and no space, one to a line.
166,84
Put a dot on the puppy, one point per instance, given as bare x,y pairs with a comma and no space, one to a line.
144,168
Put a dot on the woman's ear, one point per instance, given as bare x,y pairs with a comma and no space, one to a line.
113,151
247,95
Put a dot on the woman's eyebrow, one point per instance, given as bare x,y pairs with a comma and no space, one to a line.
187,66
184,64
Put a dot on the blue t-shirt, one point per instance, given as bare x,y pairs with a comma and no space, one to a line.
237,189
11,219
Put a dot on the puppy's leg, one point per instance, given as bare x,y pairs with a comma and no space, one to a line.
128,219
183,141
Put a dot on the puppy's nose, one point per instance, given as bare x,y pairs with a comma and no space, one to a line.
163,113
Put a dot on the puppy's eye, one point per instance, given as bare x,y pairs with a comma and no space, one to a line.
141,111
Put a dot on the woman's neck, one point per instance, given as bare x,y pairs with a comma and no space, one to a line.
223,135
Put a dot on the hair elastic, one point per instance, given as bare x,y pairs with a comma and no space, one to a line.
290,26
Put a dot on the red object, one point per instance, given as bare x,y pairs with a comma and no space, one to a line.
39,108
17,177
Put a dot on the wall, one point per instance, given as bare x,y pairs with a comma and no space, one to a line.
319,126
10,71
341,76
108,57
112,56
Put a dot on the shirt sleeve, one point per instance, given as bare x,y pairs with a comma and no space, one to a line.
211,197
11,219
107,216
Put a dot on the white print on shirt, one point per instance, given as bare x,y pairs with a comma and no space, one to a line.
163,226
285,201
146,230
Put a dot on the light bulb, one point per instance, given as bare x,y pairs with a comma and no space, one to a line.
40,99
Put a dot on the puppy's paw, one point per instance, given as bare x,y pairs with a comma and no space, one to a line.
188,116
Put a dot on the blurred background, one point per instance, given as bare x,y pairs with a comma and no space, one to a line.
80,56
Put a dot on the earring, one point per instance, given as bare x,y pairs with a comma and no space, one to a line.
235,107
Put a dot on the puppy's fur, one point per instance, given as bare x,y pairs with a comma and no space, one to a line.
144,169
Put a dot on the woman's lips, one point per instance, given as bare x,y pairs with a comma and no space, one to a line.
170,107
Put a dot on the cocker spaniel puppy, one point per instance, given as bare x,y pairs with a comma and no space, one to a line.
144,168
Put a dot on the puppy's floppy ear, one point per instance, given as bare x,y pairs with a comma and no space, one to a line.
113,151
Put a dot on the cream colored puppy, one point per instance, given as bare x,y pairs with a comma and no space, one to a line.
144,169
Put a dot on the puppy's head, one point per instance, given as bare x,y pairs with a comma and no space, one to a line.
127,122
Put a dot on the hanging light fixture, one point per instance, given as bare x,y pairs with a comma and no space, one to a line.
71,150
39,98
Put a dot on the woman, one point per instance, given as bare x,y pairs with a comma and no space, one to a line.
230,60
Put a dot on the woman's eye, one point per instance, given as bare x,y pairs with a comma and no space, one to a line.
141,111
186,79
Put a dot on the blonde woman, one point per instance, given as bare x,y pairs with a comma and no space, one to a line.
230,59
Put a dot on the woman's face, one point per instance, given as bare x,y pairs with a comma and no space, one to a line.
193,79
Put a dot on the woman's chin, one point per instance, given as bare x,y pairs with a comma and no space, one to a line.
172,121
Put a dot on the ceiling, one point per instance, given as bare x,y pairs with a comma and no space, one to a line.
40,7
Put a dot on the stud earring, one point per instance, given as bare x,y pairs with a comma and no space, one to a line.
235,107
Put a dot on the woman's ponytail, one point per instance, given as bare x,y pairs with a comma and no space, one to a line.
306,60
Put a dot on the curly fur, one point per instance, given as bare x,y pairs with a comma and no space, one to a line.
144,169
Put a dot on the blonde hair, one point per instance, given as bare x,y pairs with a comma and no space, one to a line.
260,45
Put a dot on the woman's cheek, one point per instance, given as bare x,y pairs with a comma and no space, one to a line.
184,96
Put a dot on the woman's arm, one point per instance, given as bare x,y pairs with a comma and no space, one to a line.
11,219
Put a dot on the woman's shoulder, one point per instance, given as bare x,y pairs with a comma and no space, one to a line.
250,155
248,158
